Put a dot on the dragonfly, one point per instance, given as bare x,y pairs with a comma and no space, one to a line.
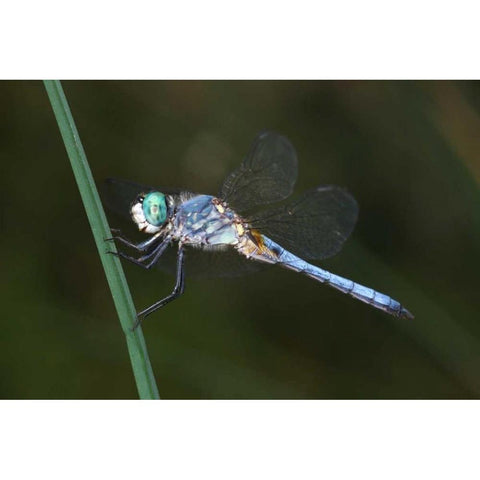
252,218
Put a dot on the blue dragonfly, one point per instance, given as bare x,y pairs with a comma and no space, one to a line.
313,226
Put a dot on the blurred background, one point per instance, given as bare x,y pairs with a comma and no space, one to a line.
408,152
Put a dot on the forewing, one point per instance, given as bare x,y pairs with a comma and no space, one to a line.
313,226
118,195
267,174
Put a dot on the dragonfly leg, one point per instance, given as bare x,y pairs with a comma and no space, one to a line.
140,247
177,291
156,254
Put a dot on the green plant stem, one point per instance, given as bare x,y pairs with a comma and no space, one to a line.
142,369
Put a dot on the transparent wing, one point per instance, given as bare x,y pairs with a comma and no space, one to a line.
200,264
315,225
118,195
267,174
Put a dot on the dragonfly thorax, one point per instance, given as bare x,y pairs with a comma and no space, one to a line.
206,221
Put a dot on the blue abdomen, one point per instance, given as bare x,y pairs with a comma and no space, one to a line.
360,292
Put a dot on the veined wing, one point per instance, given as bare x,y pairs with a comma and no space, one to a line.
313,226
204,264
267,174
118,195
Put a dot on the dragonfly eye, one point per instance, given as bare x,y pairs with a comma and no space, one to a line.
155,208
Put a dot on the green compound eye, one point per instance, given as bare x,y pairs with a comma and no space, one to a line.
155,208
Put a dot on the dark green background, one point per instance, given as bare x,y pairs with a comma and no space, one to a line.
408,151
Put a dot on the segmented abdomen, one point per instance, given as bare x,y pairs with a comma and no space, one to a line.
277,254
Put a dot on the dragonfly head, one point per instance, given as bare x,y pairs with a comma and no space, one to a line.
149,211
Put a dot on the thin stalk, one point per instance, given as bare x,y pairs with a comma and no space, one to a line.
142,369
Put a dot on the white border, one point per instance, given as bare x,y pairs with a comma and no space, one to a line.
240,439
242,40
